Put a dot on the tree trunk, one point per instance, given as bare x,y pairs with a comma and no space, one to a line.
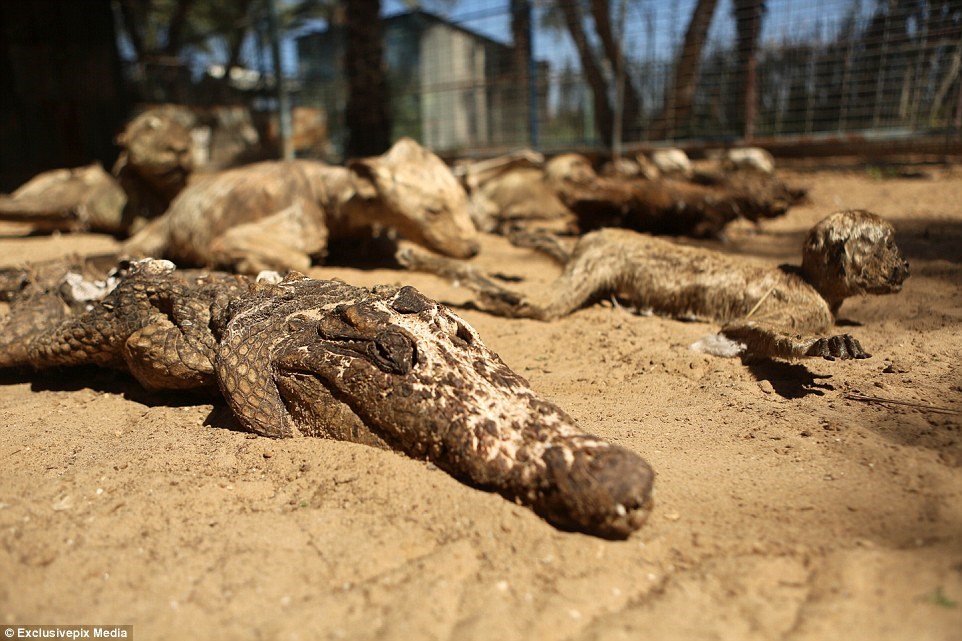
520,32
678,102
748,26
951,75
236,37
368,110
175,30
131,24
589,66
632,103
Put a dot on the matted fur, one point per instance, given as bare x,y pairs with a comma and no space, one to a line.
779,312
280,215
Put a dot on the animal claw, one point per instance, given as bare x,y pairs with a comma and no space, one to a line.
844,346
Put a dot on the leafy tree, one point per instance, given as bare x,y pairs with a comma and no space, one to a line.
158,29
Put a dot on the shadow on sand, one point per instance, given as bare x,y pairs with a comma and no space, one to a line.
789,380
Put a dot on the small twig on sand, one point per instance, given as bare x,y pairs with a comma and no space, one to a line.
858,396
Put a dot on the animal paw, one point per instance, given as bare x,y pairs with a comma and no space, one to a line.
843,346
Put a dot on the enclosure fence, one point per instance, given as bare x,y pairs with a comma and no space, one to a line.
481,76
819,67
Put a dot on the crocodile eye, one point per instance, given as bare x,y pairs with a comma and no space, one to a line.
393,352
299,323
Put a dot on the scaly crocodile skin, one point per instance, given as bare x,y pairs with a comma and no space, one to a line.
382,366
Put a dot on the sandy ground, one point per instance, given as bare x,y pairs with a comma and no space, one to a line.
785,509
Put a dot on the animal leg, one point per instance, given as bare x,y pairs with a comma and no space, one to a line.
582,279
843,346
493,297
151,241
161,329
174,350
29,320
769,341
284,241
544,242
243,373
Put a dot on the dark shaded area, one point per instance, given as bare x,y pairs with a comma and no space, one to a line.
363,253
107,381
930,239
789,380
221,417
368,110
921,426
62,97
846,322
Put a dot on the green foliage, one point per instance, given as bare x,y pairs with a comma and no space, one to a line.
939,598
147,23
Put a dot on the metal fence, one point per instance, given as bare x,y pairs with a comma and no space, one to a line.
781,70
820,68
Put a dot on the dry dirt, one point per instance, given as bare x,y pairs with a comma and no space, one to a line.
786,509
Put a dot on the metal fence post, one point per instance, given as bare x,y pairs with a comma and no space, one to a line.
283,99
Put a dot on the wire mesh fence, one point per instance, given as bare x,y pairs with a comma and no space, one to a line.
479,76
762,70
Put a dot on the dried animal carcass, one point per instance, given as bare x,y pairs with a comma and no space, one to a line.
657,206
280,215
771,312
153,166
156,159
509,194
80,199
386,367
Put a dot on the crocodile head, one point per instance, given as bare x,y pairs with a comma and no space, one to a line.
389,366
